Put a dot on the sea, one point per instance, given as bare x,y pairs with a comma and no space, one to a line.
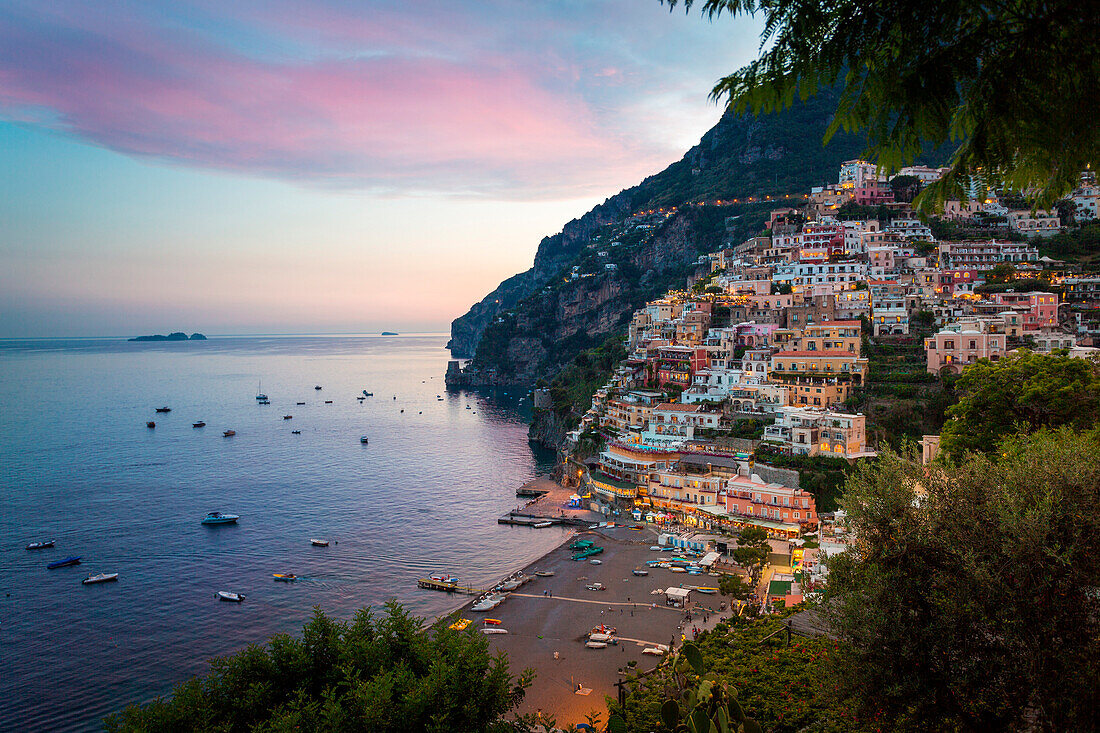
78,465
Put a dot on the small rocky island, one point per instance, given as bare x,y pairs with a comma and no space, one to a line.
390,333
174,336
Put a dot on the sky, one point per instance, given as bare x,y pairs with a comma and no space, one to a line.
321,167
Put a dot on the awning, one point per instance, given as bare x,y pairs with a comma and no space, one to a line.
681,593
709,559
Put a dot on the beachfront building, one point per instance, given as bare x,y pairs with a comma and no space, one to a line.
623,467
631,411
811,432
751,497
963,343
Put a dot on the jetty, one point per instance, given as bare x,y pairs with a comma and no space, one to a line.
524,519
429,584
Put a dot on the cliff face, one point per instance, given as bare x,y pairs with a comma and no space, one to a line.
740,156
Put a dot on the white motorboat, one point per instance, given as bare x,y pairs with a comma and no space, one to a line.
605,638
544,573
596,644
654,651
100,578
319,543
224,595
596,562
494,630
541,525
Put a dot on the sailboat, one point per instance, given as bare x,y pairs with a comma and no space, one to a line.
260,392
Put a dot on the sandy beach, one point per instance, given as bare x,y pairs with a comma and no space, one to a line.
555,614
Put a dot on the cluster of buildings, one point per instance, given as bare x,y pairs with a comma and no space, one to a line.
774,330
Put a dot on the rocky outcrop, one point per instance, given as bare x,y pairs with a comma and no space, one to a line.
547,429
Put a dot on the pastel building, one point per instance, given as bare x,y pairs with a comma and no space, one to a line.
675,423
965,342
811,432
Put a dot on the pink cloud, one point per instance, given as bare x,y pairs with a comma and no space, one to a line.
386,122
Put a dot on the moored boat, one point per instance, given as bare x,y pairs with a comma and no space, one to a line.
542,525
317,387
41,545
295,432
219,518
229,433
319,543
299,403
150,424
461,624
494,630
444,578
364,439
491,621
100,578
544,573
164,409
285,577
70,560
199,424
596,644
287,417
640,572
224,595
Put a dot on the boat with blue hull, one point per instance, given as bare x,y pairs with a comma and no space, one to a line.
71,560
219,518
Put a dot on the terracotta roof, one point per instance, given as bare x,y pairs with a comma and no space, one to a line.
676,407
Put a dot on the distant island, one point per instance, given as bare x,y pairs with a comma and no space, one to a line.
390,333
174,336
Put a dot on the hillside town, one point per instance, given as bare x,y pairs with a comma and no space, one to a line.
755,364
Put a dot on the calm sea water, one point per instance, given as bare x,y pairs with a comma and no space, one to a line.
77,464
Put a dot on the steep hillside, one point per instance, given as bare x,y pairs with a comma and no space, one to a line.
740,156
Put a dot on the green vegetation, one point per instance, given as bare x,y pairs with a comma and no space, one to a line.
1022,390
376,673
974,608
752,549
1011,85
1076,244
572,389
778,685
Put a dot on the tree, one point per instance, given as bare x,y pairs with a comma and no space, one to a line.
1023,389
752,549
905,188
970,602
1001,273
734,587
1011,84
377,673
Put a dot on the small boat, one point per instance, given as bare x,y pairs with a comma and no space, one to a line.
364,439
368,394
491,621
219,518
43,544
596,644
287,417
299,403
264,402
494,630
542,525
639,571
677,569
510,585
460,625
605,638
229,433
444,578
164,409
544,573
360,398
596,586
224,595
596,562
295,432
328,402
705,589
101,578
150,424
260,392
285,577
199,424
467,407
317,387
70,560
654,651
319,543
603,629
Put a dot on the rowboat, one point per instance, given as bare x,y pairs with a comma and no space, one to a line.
101,578
491,621
229,433
224,595
285,577
545,573
542,525
71,560
494,630
40,545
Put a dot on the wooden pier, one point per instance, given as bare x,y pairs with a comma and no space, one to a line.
429,584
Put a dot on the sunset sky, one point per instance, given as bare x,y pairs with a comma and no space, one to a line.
291,167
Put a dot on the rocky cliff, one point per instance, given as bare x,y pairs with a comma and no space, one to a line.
740,156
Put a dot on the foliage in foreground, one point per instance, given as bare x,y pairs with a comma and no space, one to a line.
1023,389
376,673
777,685
1011,84
970,602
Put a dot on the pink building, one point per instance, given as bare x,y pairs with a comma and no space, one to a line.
1040,310
965,342
873,193
751,498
